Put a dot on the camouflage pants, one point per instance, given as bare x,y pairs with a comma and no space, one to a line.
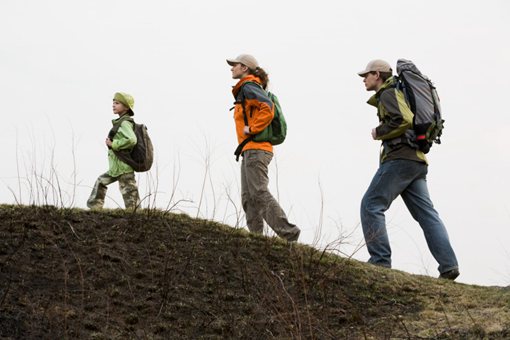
258,203
128,189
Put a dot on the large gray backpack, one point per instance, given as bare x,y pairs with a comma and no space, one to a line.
421,95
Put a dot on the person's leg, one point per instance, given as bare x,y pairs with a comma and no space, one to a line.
254,219
257,162
417,199
129,190
390,180
98,194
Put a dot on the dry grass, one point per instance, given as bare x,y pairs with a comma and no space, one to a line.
156,275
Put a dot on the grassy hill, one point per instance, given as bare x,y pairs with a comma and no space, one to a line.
149,275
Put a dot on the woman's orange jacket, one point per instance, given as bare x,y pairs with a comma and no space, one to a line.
259,111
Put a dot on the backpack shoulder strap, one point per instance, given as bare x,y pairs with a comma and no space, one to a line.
240,147
242,100
116,126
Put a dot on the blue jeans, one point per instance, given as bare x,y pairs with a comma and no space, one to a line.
408,179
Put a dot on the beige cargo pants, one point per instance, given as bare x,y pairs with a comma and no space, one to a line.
128,189
258,203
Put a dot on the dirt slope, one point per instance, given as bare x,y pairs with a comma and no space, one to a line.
115,275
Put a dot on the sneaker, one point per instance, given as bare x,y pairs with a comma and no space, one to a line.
450,275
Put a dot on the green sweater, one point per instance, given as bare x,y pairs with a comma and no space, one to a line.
125,138
395,118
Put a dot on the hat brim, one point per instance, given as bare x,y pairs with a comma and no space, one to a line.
233,62
363,73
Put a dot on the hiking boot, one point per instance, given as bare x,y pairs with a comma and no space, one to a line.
450,275
294,236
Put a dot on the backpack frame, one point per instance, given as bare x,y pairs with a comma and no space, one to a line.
423,100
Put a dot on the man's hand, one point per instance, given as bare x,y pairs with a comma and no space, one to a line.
246,130
108,142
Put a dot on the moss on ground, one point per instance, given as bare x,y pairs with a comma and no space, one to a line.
69,273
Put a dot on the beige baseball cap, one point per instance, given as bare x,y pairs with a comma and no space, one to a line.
376,65
245,59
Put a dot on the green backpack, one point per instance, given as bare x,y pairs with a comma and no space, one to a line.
274,133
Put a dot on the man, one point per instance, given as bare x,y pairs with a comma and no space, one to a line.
402,171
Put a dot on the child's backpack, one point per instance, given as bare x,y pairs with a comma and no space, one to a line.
274,133
423,100
140,158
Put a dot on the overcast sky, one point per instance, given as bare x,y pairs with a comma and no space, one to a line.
61,61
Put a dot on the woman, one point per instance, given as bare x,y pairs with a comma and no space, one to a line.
253,113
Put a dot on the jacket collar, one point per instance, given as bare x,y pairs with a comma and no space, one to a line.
240,83
374,100
122,118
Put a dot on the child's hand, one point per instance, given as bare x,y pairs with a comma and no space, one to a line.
108,142
374,134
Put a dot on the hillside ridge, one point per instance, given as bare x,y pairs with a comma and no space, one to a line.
70,273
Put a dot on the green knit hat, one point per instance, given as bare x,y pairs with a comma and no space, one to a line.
126,99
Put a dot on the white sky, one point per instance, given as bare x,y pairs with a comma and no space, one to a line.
61,62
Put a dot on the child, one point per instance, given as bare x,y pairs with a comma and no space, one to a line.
122,138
